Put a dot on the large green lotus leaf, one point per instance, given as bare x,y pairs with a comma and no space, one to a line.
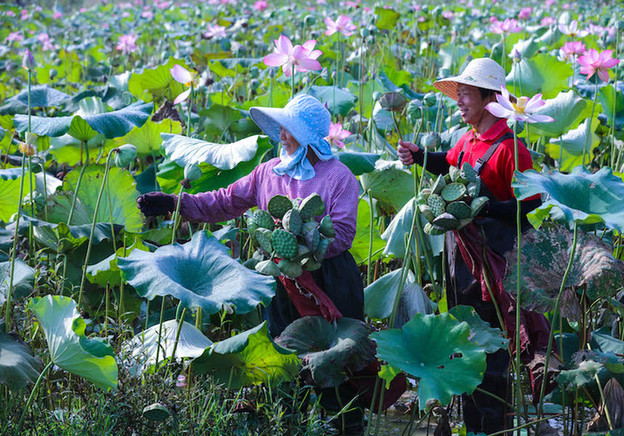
40,96
71,151
386,18
144,346
250,357
217,119
389,183
18,365
573,144
157,82
329,349
200,273
223,164
120,189
23,279
542,73
584,374
338,101
107,271
379,297
436,350
359,163
481,333
361,242
568,109
602,198
611,100
147,139
110,124
544,256
10,180
399,228
62,238
605,342
70,349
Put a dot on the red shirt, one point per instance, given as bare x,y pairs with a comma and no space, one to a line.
498,171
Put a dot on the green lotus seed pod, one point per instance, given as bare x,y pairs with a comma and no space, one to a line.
53,73
446,221
463,223
309,20
290,268
192,172
292,221
156,412
124,155
279,205
254,259
468,172
429,99
320,251
430,140
268,268
438,185
474,188
313,238
308,227
453,173
254,84
225,44
264,219
453,191
437,204
364,32
459,209
377,95
254,72
284,244
263,238
326,227
477,205
431,229
311,265
426,212
311,206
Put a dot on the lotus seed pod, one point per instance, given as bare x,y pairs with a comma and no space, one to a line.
320,251
263,238
126,154
459,209
311,265
453,192
311,206
225,44
426,212
463,223
477,205
254,84
292,221
468,172
433,230
264,219
284,244
453,173
326,227
303,251
377,95
268,268
474,188
446,221
279,205
436,203
309,20
254,72
156,412
290,268
364,32
438,185
313,238
308,227
53,73
429,100
430,140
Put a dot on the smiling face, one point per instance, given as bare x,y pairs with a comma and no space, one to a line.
289,143
471,104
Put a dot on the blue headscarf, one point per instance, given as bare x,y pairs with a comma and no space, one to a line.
307,120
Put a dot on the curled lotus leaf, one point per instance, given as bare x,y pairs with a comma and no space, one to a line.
329,349
481,333
544,257
436,350
568,148
200,273
249,358
389,183
23,279
18,365
602,199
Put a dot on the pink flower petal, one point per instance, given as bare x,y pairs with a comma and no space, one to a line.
498,111
183,96
181,74
275,59
310,64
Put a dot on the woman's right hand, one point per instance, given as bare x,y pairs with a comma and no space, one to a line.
404,150
156,203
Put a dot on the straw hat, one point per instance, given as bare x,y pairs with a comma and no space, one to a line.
482,73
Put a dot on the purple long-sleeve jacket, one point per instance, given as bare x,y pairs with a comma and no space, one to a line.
333,181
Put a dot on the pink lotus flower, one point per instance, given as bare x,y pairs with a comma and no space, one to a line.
342,24
82,10
448,15
572,30
522,110
260,5
352,4
57,15
301,57
181,381
571,50
127,44
593,62
183,76
10,13
548,21
525,13
44,39
216,32
336,135
147,14
28,61
549,3
510,25
14,36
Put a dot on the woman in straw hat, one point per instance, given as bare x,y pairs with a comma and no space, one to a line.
489,147
306,166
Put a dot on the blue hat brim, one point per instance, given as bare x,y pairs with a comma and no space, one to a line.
270,119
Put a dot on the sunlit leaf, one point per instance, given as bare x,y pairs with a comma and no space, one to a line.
361,242
542,73
389,183
157,82
573,144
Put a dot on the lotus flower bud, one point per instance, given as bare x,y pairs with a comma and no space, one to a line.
192,172
429,100
125,155
28,61
309,20
254,72
364,32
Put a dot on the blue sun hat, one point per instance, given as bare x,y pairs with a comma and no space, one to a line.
307,120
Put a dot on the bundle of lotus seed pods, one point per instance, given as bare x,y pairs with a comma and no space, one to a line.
452,201
289,232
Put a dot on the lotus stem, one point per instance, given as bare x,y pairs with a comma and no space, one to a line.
588,131
177,338
121,289
160,326
93,224
540,410
82,171
32,396
371,409
518,272
190,109
176,215
370,239
110,215
604,402
612,130
292,82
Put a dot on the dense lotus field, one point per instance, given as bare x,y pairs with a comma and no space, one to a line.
114,323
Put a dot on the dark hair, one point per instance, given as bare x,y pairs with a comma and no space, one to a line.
485,93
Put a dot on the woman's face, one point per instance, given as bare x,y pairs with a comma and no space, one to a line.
289,143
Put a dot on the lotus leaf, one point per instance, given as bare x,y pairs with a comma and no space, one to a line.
338,101
110,124
18,365
221,164
583,375
10,188
70,349
436,350
360,246
143,347
107,271
379,298
120,189
40,96
250,357
62,239
217,119
386,18
23,279
389,183
542,73
156,82
358,163
573,144
147,139
481,333
327,349
608,98
200,273
602,199
567,109
544,256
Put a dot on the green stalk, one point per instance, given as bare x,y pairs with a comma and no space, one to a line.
370,240
177,338
588,131
292,82
540,410
176,215
82,171
31,396
121,289
95,212
190,109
